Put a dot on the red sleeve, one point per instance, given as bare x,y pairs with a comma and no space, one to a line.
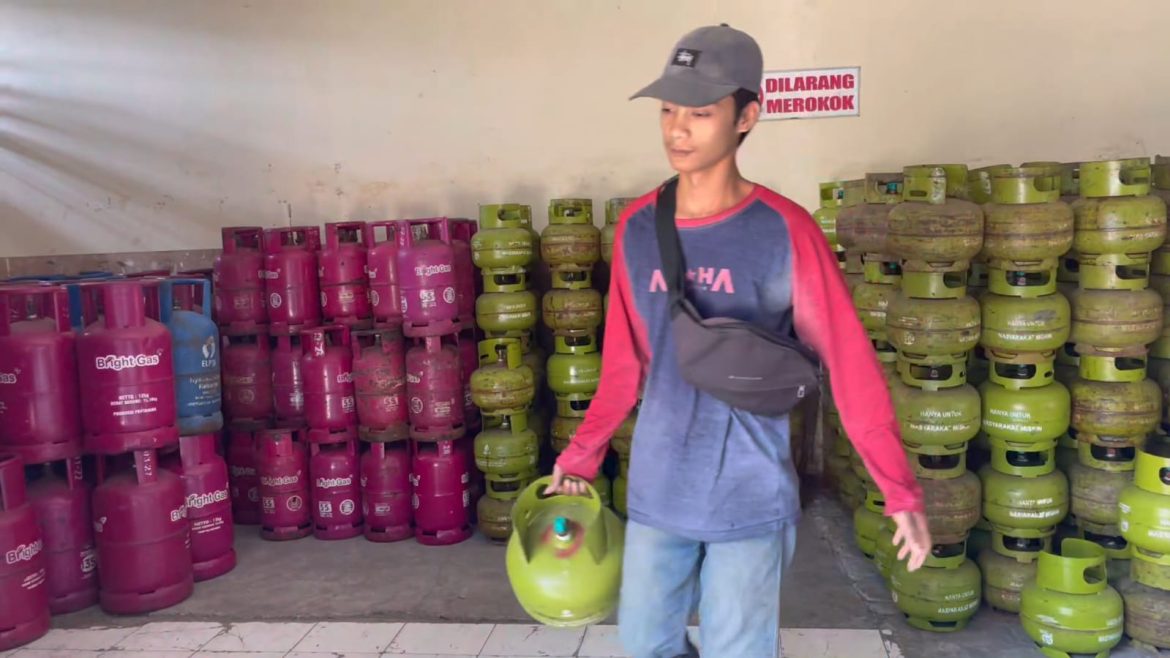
623,364
825,319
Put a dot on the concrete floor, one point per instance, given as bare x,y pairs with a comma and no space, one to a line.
830,586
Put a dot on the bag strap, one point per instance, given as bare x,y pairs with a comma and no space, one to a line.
670,245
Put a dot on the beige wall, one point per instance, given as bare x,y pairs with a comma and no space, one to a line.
132,125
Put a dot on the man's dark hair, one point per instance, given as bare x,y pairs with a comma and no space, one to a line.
742,98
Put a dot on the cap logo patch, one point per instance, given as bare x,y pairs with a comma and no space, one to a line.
686,57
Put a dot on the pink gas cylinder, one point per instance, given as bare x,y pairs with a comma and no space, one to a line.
60,498
468,346
426,274
143,538
434,386
439,478
341,268
288,390
127,377
477,486
382,272
379,382
247,380
24,595
462,230
386,492
283,466
243,480
334,469
290,278
40,414
327,370
209,505
239,290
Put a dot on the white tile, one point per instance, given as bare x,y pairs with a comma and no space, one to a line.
322,654
444,639
532,640
241,654
318,655
601,642
171,636
142,654
259,636
831,643
345,637
431,655
82,639
50,653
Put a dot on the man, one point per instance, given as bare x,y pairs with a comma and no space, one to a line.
713,496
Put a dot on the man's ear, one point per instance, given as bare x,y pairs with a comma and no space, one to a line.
749,117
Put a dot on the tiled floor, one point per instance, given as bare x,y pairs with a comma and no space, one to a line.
367,640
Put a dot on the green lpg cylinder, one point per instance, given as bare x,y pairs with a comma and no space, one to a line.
570,242
1160,283
1115,318
562,432
574,311
506,307
1012,325
535,358
502,384
871,301
508,452
1022,490
1118,224
504,242
941,371
1071,609
832,199
933,230
564,558
867,521
862,228
936,417
1025,415
943,595
1009,564
494,517
1144,504
1115,408
1096,493
613,211
885,553
1026,225
1107,453
1147,614
575,368
979,185
1118,552
952,506
921,328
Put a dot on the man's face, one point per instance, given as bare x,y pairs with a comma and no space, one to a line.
696,138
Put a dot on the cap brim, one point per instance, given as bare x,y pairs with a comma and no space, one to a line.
689,91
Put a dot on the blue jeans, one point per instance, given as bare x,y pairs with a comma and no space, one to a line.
736,584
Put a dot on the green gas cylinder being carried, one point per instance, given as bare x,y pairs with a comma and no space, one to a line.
564,557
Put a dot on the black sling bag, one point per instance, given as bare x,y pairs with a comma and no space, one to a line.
737,362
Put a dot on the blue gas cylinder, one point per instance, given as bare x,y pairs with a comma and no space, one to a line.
185,306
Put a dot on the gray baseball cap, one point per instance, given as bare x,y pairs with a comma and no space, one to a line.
706,65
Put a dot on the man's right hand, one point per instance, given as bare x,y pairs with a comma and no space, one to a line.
565,484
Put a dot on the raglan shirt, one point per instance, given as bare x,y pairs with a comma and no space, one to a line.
700,468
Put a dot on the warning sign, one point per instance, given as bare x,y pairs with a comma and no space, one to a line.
810,94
